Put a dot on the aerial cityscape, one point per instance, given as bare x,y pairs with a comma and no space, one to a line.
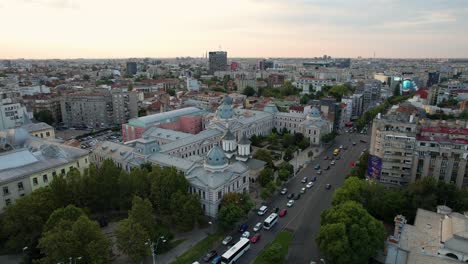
276,132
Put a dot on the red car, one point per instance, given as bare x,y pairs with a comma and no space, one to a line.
283,213
352,164
326,158
255,238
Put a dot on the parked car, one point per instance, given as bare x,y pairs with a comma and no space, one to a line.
303,190
276,210
332,162
208,256
317,166
328,186
309,185
341,146
255,238
283,213
337,158
326,158
290,196
284,191
257,227
304,180
216,260
243,228
314,178
319,172
246,234
290,203
226,240
297,197
327,168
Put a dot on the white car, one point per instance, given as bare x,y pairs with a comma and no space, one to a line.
309,185
290,203
246,234
284,191
226,240
303,190
341,146
332,162
257,227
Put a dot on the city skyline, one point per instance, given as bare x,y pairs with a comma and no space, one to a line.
65,29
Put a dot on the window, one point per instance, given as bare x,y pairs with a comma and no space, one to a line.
44,178
7,201
48,134
219,195
63,171
71,167
20,186
86,160
5,190
34,181
54,174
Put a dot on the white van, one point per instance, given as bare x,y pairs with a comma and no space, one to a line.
262,210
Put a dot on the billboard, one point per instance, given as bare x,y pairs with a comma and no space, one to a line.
374,167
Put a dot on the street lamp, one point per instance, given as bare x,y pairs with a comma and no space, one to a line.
323,261
211,227
153,246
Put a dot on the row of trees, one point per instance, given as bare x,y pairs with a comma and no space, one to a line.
372,113
233,207
100,191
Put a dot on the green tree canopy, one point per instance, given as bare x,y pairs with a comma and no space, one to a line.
229,215
348,234
44,116
131,238
263,154
249,91
266,176
73,234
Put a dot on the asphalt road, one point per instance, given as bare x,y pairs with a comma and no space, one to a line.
304,217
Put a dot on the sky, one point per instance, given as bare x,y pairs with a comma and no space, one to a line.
43,29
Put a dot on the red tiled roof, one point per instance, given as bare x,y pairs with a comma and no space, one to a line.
422,93
446,130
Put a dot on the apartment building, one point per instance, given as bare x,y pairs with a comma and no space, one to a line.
12,115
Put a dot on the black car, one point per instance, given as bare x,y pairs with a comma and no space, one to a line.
297,197
327,168
210,255
290,196
276,210
328,186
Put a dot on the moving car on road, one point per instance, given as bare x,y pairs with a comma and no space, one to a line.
257,227
208,256
262,210
226,240
246,234
332,162
319,172
243,228
290,196
309,185
314,178
304,180
354,143
290,203
255,238
283,213
303,190
328,186
270,221
216,260
327,168
276,210
284,191
317,166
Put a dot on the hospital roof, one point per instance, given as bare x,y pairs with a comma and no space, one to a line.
166,117
201,177
167,134
205,134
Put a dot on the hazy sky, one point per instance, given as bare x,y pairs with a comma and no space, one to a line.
245,28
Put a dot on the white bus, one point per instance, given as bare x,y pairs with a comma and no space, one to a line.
235,251
270,221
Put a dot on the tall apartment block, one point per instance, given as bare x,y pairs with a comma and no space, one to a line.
217,61
131,68
98,109
405,148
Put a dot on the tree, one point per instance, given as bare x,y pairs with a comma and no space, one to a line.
464,115
304,99
229,215
238,199
131,238
396,90
264,155
142,213
288,154
265,177
186,210
348,234
45,116
283,174
86,77
70,233
23,221
273,253
326,138
249,91
171,92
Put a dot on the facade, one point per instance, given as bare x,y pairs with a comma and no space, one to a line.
410,150
306,84
131,68
217,61
435,237
40,130
47,103
371,93
99,109
12,115
276,80
28,163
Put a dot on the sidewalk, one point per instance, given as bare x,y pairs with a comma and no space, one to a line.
301,160
191,239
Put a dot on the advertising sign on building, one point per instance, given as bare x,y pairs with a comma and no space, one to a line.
374,167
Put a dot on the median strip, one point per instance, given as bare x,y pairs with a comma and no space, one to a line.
276,251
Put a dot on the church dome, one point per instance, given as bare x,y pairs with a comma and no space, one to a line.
216,157
314,112
225,111
228,100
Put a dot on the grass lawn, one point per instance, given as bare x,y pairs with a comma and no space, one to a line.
284,238
199,249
